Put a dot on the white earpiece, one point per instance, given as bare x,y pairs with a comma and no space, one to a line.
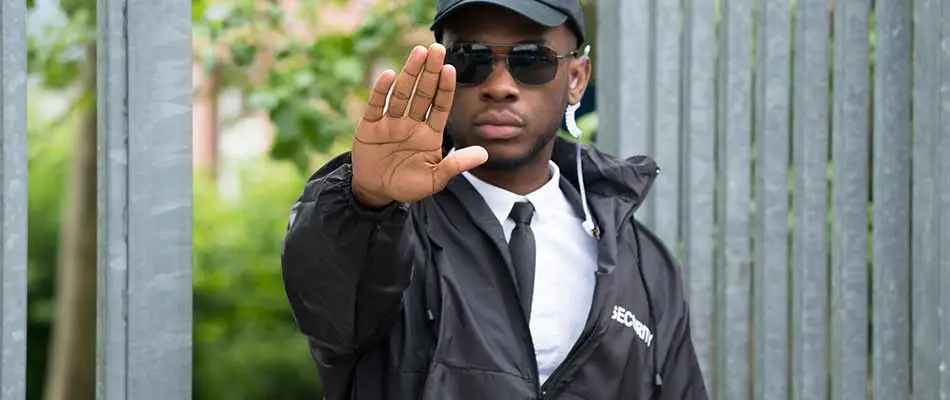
583,56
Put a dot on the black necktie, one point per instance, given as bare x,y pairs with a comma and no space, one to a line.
521,247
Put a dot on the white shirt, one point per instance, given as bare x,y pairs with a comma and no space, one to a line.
564,271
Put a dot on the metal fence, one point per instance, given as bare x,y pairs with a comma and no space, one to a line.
145,199
775,141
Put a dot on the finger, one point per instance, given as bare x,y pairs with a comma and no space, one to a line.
459,161
377,99
444,96
428,83
405,81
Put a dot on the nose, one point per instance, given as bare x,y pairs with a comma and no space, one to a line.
500,85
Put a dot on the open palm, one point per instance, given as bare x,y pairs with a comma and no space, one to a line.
397,150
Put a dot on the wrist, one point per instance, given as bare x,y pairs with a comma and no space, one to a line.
370,200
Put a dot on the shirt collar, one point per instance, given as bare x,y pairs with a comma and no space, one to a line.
546,199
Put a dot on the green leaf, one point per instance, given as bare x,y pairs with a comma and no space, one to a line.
264,99
218,12
310,83
349,70
287,121
243,53
209,59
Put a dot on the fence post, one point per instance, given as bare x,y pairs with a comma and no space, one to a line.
891,187
145,200
931,202
849,229
770,238
13,198
623,54
699,178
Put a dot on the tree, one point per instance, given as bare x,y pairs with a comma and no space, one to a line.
71,364
310,82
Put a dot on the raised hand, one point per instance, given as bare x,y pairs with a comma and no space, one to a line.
397,151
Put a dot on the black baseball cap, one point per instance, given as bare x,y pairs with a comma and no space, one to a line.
549,13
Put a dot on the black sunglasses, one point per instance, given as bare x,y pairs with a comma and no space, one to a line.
529,64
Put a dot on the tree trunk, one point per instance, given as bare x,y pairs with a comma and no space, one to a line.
206,125
71,372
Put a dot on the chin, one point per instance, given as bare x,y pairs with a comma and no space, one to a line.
506,155
504,164
502,158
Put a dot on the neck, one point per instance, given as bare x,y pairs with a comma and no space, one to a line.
523,180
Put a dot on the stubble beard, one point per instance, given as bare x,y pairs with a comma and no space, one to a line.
496,163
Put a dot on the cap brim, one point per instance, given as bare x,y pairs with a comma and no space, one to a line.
531,9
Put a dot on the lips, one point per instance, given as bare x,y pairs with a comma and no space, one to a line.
497,132
498,125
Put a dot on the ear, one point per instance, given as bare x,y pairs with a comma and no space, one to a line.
579,76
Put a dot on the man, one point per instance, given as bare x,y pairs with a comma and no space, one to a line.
453,253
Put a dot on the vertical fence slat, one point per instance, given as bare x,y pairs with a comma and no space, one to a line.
771,238
943,171
699,160
944,195
931,201
160,201
625,30
810,250
145,173
624,57
608,68
666,134
849,231
925,329
112,159
13,199
936,270
891,186
735,269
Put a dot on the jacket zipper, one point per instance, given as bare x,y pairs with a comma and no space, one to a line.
585,345
577,354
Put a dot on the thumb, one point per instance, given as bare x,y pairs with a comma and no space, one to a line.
459,161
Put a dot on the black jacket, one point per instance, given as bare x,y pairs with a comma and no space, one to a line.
417,301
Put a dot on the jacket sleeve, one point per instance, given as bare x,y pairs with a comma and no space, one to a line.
344,267
679,371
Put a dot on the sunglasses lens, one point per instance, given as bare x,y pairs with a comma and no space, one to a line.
472,62
529,64
532,64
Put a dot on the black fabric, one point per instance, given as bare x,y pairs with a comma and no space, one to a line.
420,301
522,248
549,13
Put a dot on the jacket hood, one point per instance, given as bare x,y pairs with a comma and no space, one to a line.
604,174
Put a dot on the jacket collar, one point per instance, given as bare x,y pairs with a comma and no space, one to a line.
616,187
604,174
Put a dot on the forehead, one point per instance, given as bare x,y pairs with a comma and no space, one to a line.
493,24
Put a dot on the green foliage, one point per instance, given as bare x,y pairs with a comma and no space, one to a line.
246,345
588,125
310,84
57,53
49,153
246,342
